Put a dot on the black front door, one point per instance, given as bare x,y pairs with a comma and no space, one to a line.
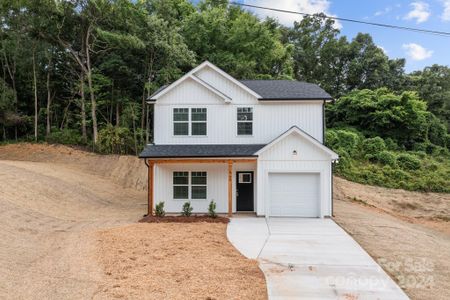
244,191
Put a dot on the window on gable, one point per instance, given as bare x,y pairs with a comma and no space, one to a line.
180,185
244,121
198,119
180,121
189,121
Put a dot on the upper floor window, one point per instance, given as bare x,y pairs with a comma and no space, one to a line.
189,121
198,119
244,121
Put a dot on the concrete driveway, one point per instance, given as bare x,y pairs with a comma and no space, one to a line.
311,259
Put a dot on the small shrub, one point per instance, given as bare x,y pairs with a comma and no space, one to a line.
159,209
187,209
349,141
391,144
115,140
386,158
212,209
373,145
408,161
331,138
65,136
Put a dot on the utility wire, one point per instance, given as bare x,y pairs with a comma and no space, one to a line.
435,32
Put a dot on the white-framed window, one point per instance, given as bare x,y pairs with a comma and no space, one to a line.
198,185
245,177
181,121
244,120
193,184
189,121
180,185
198,121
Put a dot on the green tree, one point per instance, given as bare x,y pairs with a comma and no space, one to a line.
382,113
433,85
236,41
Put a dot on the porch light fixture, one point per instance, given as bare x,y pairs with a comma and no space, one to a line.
294,152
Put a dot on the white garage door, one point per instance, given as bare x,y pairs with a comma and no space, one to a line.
294,194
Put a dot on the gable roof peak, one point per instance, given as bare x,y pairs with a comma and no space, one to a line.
160,92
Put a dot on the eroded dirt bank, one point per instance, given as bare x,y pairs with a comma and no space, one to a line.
403,231
68,231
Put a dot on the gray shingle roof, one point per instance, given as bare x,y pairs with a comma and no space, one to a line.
227,150
286,90
157,92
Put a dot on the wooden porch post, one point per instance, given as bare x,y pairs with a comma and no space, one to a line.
230,188
150,187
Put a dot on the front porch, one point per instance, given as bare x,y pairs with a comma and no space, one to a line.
230,182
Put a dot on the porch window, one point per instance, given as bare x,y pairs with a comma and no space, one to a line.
198,119
197,185
198,182
180,121
244,121
180,185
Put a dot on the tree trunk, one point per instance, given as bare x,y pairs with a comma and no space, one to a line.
49,99
134,129
66,110
12,75
147,126
83,109
35,98
117,115
91,90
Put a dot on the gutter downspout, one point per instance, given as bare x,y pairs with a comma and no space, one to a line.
148,166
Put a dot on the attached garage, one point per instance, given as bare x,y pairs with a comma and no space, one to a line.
294,177
294,194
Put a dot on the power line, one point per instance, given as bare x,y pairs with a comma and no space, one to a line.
435,32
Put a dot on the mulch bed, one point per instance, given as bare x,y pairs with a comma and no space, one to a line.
183,219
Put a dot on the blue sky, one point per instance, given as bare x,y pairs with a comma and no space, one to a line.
419,49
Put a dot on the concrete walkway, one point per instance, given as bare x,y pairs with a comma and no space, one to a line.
311,259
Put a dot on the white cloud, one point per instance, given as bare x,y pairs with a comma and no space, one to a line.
420,12
383,49
287,19
385,11
417,52
446,13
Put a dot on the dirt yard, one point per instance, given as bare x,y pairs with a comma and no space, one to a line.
68,231
404,231
177,261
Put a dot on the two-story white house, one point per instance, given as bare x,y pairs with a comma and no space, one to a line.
249,145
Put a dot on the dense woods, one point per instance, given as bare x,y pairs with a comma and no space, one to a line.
78,72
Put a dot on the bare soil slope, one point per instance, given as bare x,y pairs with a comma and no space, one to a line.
68,231
404,231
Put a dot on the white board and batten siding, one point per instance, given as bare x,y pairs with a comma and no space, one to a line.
217,186
310,165
270,119
301,183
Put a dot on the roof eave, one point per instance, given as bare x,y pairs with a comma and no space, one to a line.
194,157
296,99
